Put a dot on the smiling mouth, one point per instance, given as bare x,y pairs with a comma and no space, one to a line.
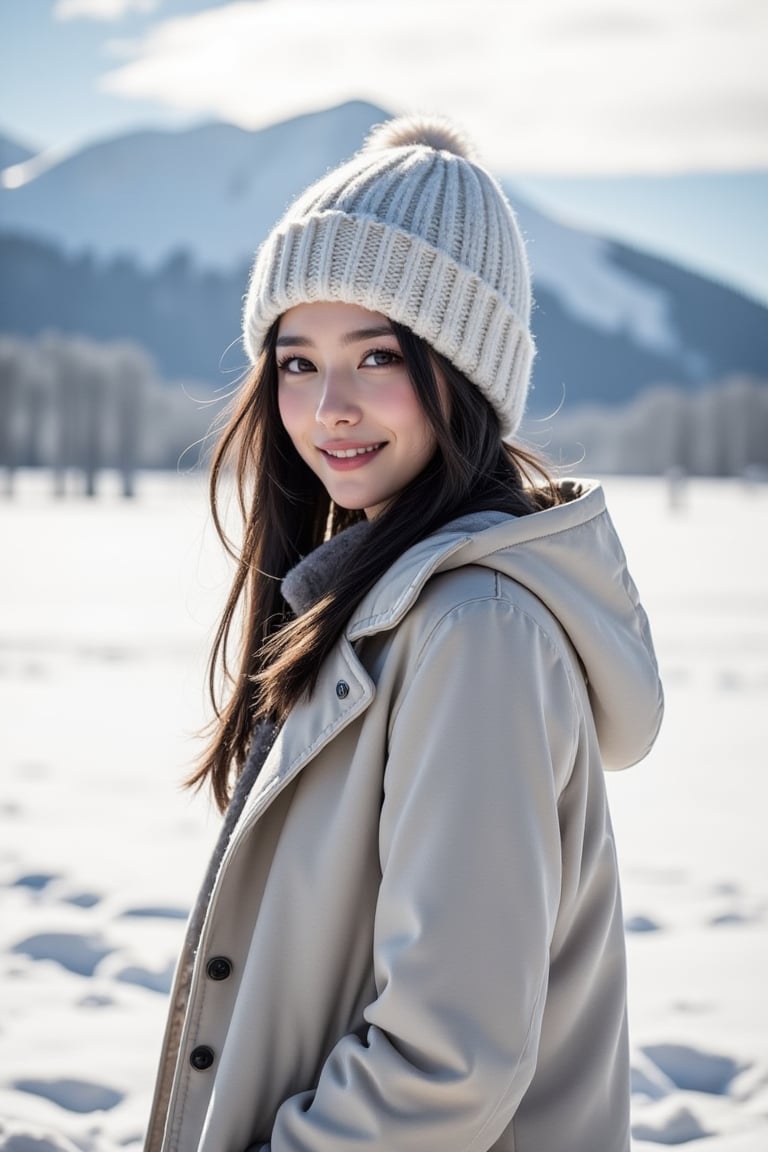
349,453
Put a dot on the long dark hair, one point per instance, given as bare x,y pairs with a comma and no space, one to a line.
286,513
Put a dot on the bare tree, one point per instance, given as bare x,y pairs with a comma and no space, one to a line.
10,389
132,372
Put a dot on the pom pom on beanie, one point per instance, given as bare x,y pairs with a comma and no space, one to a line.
435,132
415,228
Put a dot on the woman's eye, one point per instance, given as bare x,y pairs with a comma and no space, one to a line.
380,357
295,364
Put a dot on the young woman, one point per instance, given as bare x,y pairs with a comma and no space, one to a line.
409,938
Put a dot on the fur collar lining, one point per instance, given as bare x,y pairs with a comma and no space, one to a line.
308,581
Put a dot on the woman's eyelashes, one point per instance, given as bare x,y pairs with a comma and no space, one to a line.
381,358
295,364
375,358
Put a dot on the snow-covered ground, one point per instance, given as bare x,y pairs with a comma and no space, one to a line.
106,610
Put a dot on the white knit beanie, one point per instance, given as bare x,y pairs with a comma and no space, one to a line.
414,228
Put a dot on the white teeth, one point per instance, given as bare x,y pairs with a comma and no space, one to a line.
344,452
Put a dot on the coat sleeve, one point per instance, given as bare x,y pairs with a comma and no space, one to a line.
480,746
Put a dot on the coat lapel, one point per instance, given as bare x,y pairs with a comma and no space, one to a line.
344,690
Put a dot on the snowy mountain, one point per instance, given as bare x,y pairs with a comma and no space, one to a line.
214,190
149,236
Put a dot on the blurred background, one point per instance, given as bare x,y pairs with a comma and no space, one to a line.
147,146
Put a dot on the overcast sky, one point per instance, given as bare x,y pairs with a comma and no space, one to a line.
545,86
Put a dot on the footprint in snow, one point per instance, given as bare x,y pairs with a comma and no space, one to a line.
35,881
147,978
76,953
95,1000
156,912
641,924
670,1126
74,1095
724,919
16,1136
693,1070
83,899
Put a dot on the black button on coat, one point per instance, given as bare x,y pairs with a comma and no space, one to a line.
201,1057
219,968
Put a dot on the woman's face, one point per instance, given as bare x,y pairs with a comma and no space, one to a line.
348,404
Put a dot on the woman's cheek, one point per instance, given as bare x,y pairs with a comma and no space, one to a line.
291,408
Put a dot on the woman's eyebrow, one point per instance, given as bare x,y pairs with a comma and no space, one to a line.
353,337
367,334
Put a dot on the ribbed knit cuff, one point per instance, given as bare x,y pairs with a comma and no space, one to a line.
333,256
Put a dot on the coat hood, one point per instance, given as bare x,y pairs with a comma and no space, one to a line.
570,557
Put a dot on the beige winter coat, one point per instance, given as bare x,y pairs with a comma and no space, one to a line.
414,940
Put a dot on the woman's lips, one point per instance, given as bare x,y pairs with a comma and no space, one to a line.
344,457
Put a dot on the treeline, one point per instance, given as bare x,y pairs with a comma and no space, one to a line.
77,406
721,430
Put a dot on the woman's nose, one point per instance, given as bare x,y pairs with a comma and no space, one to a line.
337,403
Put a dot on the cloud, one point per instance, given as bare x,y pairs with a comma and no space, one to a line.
100,9
573,86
